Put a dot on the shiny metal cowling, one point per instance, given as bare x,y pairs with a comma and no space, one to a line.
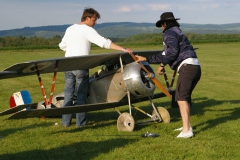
109,88
136,80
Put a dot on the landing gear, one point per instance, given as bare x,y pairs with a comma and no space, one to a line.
164,115
125,122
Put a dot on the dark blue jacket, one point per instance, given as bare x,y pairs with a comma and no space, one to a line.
176,48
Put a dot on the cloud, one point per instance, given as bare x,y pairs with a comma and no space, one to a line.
124,9
130,8
157,7
137,7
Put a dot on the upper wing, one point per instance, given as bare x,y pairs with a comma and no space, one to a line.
148,53
68,63
64,64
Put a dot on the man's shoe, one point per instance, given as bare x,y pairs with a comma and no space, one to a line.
185,135
81,126
180,129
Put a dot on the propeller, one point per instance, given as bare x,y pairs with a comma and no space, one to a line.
153,78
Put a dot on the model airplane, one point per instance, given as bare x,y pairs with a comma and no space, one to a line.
119,81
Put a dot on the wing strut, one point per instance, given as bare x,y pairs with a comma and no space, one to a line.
153,78
47,102
166,79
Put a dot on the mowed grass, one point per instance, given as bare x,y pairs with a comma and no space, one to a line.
215,116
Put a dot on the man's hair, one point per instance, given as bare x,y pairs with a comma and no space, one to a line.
89,12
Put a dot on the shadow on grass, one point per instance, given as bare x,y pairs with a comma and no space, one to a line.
204,104
80,150
224,114
223,118
99,123
109,117
18,127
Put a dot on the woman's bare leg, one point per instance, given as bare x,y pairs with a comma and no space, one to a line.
185,114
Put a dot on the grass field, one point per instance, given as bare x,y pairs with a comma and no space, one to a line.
215,116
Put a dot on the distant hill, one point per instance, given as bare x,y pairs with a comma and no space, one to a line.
123,29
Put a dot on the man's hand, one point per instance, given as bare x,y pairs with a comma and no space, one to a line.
128,50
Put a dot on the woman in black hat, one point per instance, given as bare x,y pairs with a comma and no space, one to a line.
180,56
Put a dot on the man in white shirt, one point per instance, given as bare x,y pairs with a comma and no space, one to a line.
77,42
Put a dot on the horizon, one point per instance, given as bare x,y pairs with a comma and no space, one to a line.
111,22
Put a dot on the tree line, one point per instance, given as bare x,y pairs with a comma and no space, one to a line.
156,38
22,42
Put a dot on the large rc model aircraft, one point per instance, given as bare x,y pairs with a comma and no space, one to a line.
119,81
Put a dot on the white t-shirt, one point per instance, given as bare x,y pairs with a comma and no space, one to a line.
78,38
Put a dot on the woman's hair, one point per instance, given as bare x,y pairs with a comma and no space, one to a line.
171,24
89,12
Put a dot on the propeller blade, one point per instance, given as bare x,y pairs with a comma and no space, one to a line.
154,79
161,87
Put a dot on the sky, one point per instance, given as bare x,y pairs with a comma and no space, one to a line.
33,13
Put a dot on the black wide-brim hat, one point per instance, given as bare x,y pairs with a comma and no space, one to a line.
166,16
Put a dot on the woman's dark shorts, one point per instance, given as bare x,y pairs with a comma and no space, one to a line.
189,75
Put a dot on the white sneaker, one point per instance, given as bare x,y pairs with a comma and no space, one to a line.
185,135
180,129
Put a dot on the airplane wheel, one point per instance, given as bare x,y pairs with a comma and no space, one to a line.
125,122
163,113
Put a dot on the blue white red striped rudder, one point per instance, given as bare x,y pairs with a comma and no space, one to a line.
20,98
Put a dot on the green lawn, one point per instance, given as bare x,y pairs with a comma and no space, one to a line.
215,116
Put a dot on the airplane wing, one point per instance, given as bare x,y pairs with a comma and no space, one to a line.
67,63
18,108
64,64
79,108
63,110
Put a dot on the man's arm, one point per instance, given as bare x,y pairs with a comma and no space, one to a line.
93,36
120,48
63,44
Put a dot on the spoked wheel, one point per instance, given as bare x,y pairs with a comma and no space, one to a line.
125,122
163,114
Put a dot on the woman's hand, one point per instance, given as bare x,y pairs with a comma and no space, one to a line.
160,70
140,58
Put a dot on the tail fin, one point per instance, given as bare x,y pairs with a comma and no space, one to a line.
20,98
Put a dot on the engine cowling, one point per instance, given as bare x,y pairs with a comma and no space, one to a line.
137,81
